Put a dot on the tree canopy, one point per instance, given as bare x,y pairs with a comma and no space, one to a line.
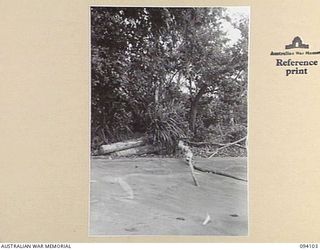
168,73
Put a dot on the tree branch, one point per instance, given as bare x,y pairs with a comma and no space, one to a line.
227,145
204,143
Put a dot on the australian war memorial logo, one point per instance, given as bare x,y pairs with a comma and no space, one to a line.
295,65
297,43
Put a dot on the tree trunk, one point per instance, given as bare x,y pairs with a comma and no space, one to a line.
194,108
193,116
156,96
148,149
106,149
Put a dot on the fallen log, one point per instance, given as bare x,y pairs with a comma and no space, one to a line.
118,146
147,149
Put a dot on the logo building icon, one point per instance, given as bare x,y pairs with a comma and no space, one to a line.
297,43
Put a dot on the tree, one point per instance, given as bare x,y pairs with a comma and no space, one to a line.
208,64
154,67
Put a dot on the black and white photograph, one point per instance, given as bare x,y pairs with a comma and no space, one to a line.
169,116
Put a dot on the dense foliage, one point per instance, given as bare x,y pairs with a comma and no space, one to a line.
168,73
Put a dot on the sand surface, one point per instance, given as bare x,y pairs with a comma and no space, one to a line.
156,196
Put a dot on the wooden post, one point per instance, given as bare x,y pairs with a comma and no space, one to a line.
188,156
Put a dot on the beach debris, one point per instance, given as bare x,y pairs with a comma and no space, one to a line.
207,220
